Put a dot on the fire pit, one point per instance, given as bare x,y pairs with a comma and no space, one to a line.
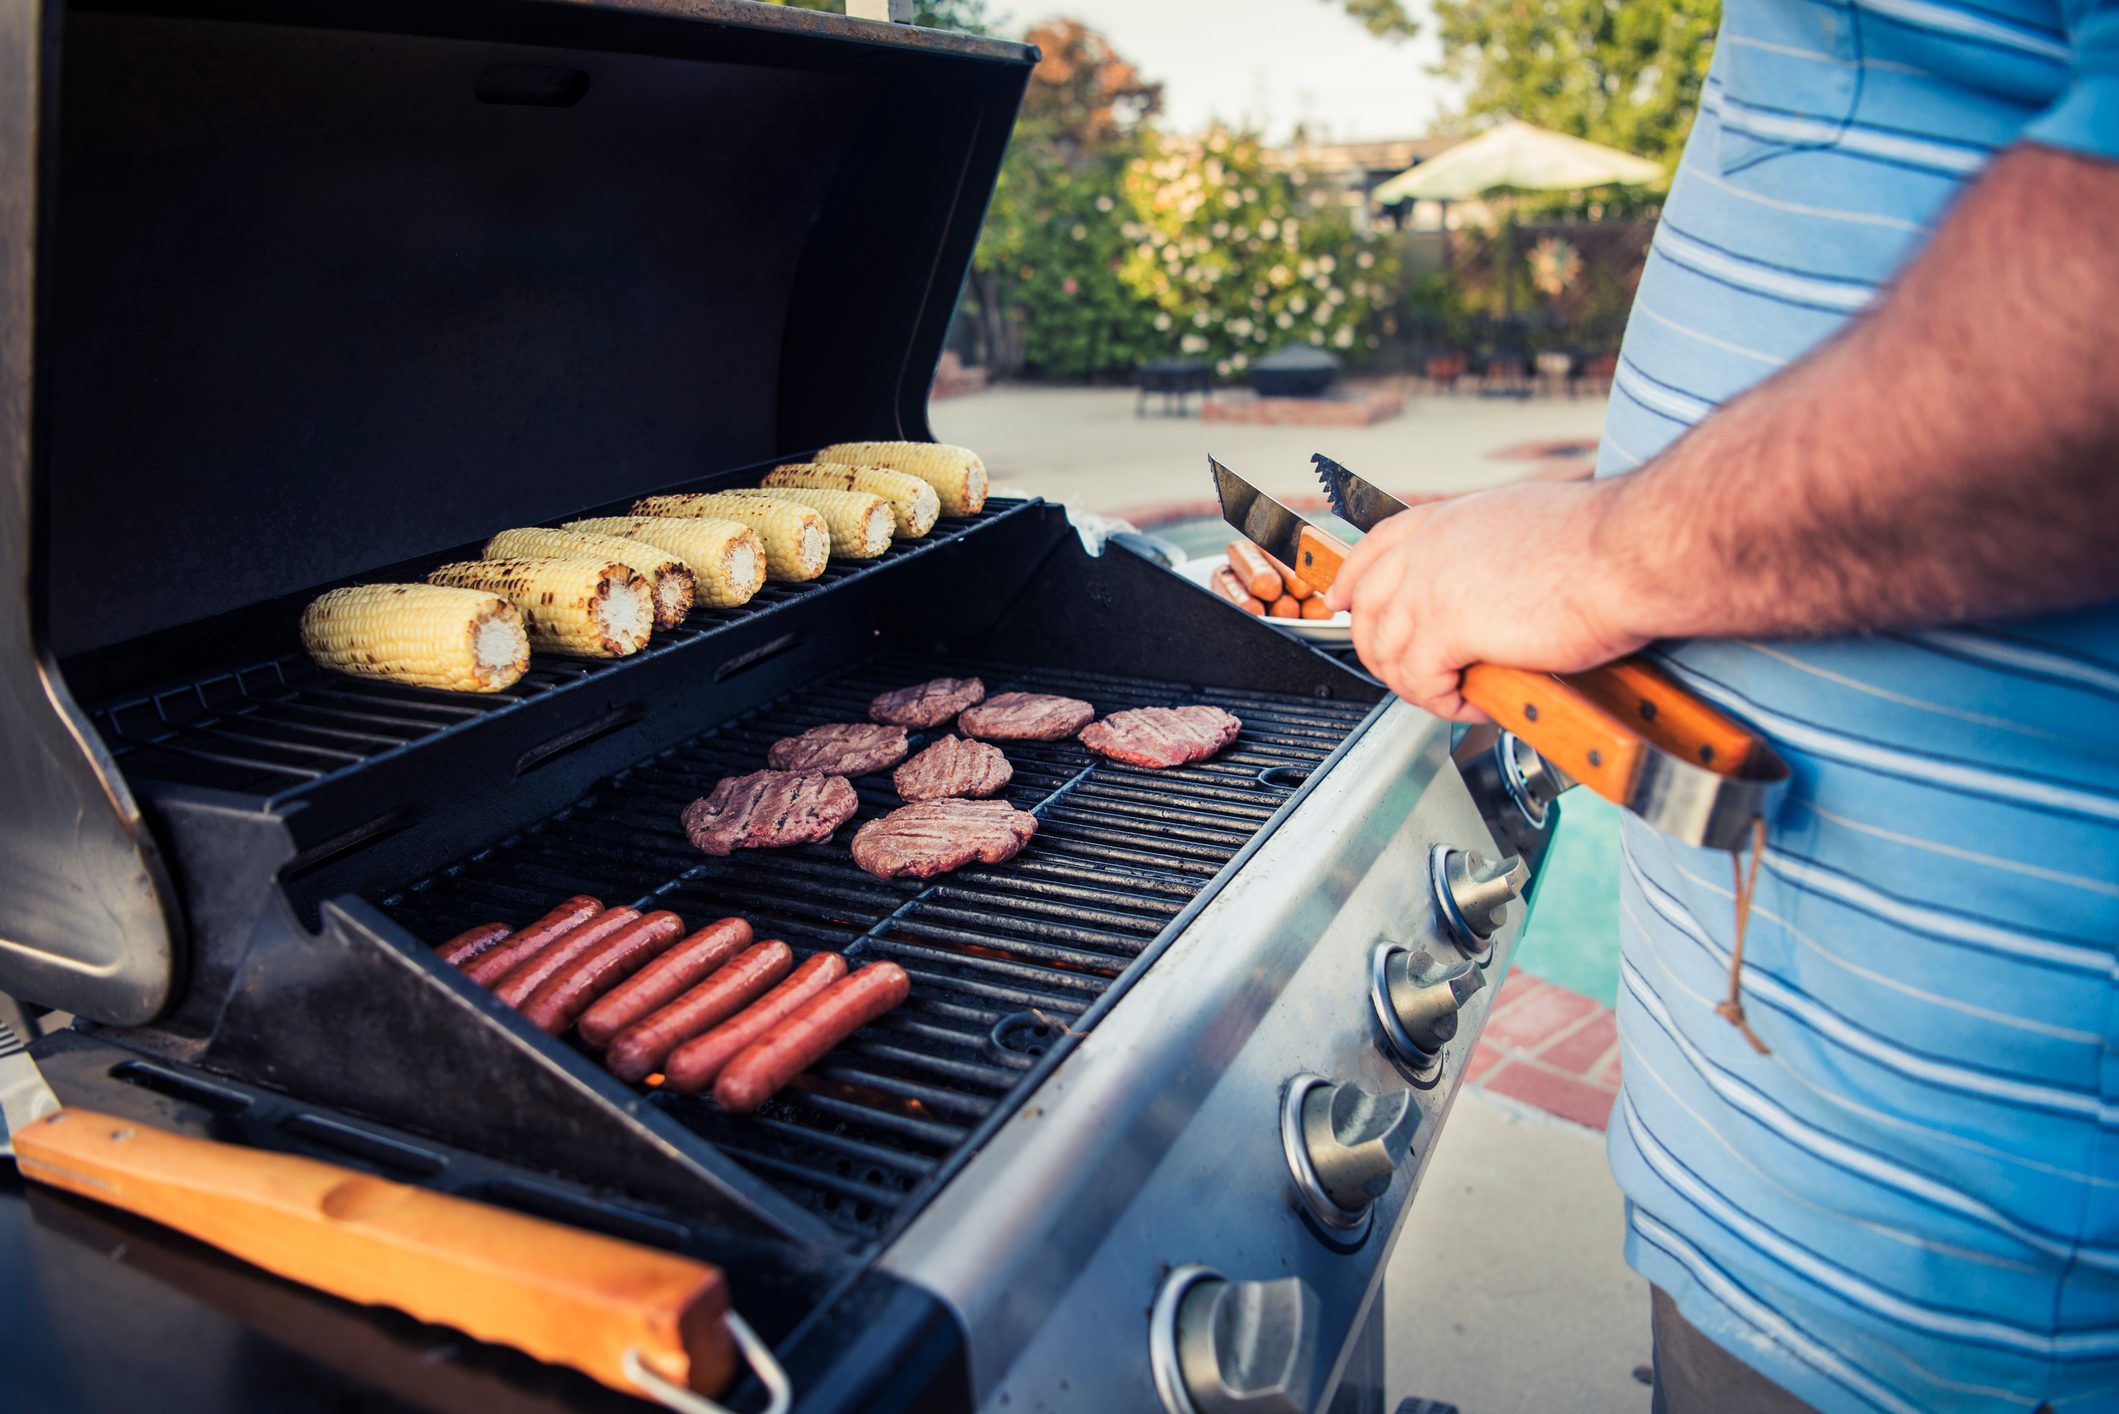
1297,371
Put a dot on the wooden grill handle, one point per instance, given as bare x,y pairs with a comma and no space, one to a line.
561,1294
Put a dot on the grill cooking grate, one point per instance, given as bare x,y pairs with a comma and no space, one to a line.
1002,957
278,728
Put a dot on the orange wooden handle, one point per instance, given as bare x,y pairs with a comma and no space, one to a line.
1318,557
558,1293
1597,725
1567,728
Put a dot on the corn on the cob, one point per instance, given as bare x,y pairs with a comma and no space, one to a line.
419,634
582,608
956,473
912,500
861,524
724,556
667,575
797,542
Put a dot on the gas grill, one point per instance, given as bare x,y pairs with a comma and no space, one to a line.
323,293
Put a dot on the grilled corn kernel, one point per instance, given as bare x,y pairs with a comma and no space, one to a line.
956,473
581,608
724,556
796,539
418,634
860,523
665,573
912,500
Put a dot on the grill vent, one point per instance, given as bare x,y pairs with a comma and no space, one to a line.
1120,854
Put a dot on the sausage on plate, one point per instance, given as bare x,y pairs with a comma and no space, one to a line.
693,1065
808,1036
473,942
638,1051
684,965
567,992
1254,570
489,967
1225,583
1292,584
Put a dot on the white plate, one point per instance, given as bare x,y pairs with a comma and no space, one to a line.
1339,628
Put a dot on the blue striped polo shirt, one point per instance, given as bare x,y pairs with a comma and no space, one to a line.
1912,1203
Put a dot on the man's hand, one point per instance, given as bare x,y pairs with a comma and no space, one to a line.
1510,576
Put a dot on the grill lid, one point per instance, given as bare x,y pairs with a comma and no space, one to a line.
320,286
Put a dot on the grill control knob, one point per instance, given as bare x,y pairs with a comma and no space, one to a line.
1246,1347
1427,1011
1474,892
1355,1141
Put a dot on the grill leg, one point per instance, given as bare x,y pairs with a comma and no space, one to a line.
1361,1387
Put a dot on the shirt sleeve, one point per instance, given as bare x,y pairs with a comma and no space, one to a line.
2086,119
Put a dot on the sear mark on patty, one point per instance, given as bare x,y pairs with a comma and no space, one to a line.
954,767
840,748
927,704
935,836
1026,716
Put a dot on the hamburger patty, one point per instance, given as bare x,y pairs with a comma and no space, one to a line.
926,704
1026,716
840,748
954,767
936,836
769,809
1162,736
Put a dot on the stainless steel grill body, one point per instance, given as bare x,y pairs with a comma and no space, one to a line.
1157,1143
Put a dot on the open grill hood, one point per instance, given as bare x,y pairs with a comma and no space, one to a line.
309,292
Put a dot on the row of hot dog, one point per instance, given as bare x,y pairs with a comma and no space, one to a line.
709,1009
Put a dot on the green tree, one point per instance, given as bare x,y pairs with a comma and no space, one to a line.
1622,72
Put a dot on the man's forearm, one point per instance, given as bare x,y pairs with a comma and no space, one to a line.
1953,455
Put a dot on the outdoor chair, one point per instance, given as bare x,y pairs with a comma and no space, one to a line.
1173,378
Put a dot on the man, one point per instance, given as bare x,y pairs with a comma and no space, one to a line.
1868,416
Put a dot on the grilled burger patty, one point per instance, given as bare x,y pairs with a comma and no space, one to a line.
770,809
1026,716
936,836
1162,736
840,748
954,767
926,704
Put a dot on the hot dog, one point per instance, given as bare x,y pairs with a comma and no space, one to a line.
1292,583
472,942
1316,608
564,919
1285,607
515,985
693,1065
1254,571
684,965
1225,583
806,1037
636,1051
567,992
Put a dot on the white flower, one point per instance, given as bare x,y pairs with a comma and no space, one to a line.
1200,320
1241,328
1231,200
1162,321
1221,366
1104,203
1080,231
1240,362
1308,268
1361,289
1192,343
1221,230
1213,169
1278,274
1145,251
1327,264
1285,320
1269,228
1250,193
1334,297
1298,304
1241,233
1317,337
1344,339
1324,314
1364,260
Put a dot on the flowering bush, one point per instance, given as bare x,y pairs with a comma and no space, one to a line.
1233,263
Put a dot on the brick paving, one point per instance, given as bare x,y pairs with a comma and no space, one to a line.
1550,1048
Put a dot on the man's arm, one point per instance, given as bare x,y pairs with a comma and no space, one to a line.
1954,454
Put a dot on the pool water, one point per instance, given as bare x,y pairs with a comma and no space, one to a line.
1573,937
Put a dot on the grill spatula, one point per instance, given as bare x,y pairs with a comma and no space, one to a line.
1626,730
639,1320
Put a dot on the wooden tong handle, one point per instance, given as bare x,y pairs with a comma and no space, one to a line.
1597,725
1318,558
560,1294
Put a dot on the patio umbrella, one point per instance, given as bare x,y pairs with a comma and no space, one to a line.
1516,156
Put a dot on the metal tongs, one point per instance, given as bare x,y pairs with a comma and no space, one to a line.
640,1320
1626,730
